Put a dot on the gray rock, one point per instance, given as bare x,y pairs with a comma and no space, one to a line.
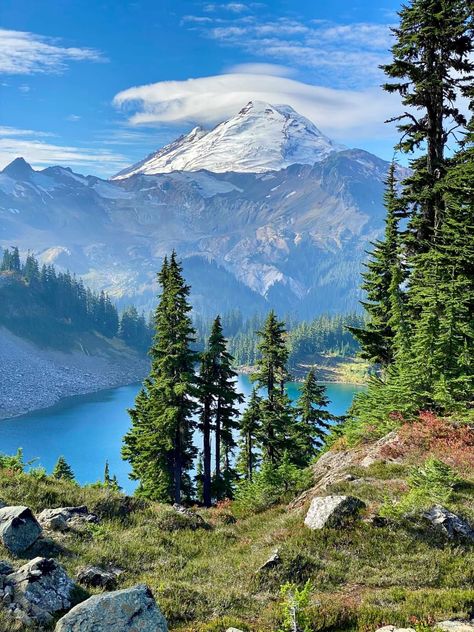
233,630
5,567
393,628
62,518
272,561
41,588
129,610
332,511
19,528
449,523
97,577
455,626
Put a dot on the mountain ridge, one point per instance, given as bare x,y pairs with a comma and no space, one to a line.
292,238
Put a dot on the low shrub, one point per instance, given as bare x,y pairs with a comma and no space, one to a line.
271,485
432,483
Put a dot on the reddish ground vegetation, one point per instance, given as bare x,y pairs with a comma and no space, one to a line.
450,442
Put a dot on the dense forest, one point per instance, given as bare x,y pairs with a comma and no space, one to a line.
49,307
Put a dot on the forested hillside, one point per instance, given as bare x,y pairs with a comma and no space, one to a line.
50,307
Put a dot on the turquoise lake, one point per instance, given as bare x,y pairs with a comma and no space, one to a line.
88,429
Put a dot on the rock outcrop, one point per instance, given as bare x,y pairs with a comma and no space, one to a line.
63,518
332,511
455,626
132,609
19,529
332,466
449,523
39,589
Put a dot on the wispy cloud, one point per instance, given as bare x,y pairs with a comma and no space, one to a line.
233,7
343,114
23,53
339,55
40,152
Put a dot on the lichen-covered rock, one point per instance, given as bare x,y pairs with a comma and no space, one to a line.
273,560
332,511
449,523
96,577
19,528
132,609
455,626
62,518
40,588
393,628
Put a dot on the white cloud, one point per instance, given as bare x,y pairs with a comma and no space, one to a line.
73,118
233,7
30,144
341,55
261,69
343,114
23,53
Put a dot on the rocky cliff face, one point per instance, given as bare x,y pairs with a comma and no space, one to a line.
292,238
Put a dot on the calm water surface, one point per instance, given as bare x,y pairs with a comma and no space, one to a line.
88,429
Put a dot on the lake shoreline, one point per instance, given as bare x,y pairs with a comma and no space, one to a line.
33,378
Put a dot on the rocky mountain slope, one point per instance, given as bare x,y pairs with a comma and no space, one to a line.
266,233
32,377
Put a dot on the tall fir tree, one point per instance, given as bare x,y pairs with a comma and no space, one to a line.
159,445
271,374
313,420
382,282
249,433
432,63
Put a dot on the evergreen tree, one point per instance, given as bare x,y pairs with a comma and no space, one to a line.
62,470
218,398
249,432
381,282
313,421
159,445
277,415
432,61
107,479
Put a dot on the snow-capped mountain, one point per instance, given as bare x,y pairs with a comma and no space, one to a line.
260,138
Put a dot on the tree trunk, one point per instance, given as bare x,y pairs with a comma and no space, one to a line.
206,431
217,472
177,467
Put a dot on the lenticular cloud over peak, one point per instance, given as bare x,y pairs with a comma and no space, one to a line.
206,101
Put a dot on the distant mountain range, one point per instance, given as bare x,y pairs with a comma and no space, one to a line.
264,210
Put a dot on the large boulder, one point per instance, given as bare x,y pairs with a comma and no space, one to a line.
40,588
129,610
449,523
19,528
455,626
63,518
332,511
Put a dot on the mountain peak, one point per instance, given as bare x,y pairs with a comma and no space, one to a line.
260,137
19,169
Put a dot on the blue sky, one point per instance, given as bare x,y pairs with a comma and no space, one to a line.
97,85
